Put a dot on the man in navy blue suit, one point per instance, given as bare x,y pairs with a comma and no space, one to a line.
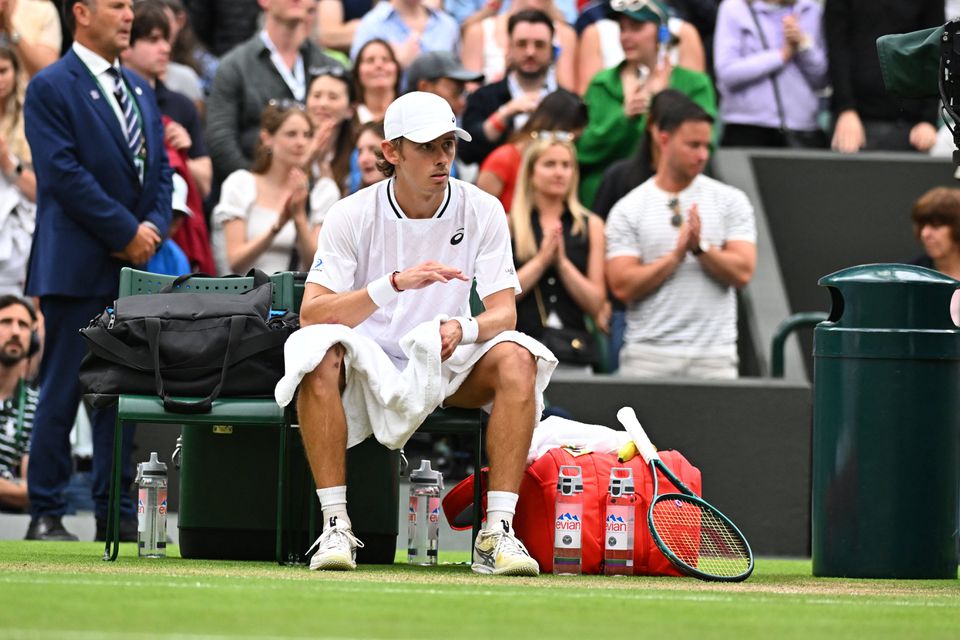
103,201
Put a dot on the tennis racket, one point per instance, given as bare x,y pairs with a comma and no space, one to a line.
696,537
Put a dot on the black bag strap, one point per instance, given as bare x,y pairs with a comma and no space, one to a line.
773,76
259,278
206,404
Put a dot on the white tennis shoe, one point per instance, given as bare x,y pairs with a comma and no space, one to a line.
499,552
336,548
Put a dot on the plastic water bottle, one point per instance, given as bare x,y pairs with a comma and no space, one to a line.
152,508
621,510
423,515
568,525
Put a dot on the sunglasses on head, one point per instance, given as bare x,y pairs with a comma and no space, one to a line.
676,219
285,104
330,70
559,136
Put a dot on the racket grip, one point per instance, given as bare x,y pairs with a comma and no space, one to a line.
628,418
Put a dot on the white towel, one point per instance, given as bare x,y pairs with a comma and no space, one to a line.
555,432
387,403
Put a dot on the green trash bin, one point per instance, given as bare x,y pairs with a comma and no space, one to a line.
886,425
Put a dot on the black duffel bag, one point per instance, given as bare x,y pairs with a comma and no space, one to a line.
203,345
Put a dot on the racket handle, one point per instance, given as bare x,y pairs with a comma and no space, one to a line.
628,418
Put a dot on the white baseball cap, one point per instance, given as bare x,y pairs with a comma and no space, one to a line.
419,116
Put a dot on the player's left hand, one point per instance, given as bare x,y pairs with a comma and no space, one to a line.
450,335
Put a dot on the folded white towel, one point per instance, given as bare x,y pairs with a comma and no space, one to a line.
379,399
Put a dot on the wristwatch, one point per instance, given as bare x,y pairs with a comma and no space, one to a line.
702,248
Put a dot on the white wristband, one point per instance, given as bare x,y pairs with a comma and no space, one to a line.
381,291
469,328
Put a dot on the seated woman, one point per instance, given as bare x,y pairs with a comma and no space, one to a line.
936,222
330,107
376,80
485,44
558,249
262,219
364,170
771,64
561,110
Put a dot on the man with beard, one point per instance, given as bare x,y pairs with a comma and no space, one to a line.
18,321
497,110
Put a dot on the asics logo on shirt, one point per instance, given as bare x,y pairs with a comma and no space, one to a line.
457,237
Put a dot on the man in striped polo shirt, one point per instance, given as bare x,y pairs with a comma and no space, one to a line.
18,401
677,247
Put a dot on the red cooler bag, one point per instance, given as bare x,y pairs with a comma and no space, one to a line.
534,522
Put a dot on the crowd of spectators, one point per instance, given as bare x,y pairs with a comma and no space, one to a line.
272,111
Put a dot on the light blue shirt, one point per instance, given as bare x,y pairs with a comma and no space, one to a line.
442,32
463,9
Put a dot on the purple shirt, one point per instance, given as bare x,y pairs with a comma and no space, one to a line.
744,67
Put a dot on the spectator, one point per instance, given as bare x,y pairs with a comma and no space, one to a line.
273,64
770,65
559,111
619,179
468,11
367,172
32,30
18,321
865,115
183,70
148,56
485,42
599,44
103,201
329,101
498,109
357,271
337,22
440,72
677,247
376,79
18,184
221,25
936,223
410,27
558,249
262,218
618,98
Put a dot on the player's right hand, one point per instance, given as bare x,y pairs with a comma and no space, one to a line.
426,274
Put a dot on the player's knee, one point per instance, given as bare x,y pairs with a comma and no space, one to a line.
325,378
517,368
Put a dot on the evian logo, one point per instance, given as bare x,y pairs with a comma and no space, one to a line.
615,524
568,522
457,237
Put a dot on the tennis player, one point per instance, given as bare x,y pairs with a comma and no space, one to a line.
397,254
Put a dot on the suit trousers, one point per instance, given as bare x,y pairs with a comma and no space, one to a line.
51,463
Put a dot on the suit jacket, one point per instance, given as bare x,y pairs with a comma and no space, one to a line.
89,199
480,104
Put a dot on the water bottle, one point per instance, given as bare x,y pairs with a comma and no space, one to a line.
569,521
423,515
618,538
152,508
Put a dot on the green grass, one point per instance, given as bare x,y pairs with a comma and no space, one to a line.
64,590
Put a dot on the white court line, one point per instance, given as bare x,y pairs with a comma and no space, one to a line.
543,593
38,634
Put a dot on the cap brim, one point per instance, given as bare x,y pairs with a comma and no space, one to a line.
434,131
465,75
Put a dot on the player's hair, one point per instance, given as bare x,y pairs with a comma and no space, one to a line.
938,207
386,167
521,210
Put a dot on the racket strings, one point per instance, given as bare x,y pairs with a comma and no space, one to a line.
699,538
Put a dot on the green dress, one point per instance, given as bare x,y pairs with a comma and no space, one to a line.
610,135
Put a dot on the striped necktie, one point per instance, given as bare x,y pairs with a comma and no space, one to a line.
132,128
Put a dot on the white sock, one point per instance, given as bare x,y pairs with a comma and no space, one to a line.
333,501
501,505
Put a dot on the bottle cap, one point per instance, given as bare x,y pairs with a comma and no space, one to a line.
621,482
569,480
426,475
152,467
